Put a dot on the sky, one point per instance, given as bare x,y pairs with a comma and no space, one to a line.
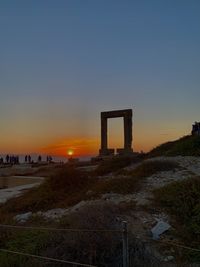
62,62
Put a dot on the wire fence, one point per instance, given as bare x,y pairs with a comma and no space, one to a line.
61,229
124,238
122,231
46,258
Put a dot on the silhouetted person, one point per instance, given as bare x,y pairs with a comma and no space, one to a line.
39,158
7,159
50,159
29,159
26,159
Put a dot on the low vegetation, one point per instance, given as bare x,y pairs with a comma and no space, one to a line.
114,164
70,186
118,185
31,242
182,200
66,188
96,248
132,180
185,146
150,167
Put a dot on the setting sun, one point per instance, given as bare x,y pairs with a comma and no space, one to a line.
77,145
70,152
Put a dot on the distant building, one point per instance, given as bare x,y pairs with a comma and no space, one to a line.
196,128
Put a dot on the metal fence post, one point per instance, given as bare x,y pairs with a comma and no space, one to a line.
125,244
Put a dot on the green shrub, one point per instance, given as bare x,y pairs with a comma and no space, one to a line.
31,242
182,200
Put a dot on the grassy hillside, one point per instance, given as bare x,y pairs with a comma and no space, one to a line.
185,146
182,200
114,164
69,186
65,188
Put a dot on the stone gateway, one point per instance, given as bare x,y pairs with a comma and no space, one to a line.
127,116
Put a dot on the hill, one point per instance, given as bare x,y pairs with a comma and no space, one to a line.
141,191
186,146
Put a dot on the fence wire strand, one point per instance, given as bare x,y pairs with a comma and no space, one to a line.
46,258
59,229
178,245
172,243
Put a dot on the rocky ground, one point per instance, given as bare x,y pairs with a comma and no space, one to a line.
142,220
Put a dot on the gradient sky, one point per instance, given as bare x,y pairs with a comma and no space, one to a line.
62,62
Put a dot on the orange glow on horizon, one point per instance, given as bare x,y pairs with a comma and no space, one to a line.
84,146
90,147
74,146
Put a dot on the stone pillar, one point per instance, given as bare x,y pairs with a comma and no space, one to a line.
104,137
127,132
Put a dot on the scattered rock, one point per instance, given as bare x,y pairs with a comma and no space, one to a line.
160,228
79,205
117,198
22,218
56,214
53,214
169,258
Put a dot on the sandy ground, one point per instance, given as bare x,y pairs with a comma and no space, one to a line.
13,181
9,193
16,185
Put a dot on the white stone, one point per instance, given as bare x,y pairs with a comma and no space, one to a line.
159,229
53,214
79,205
169,258
21,218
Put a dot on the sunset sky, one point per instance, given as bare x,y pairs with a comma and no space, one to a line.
62,62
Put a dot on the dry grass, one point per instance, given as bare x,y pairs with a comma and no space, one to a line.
185,146
133,180
96,248
65,188
151,167
114,164
70,186
125,185
182,200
